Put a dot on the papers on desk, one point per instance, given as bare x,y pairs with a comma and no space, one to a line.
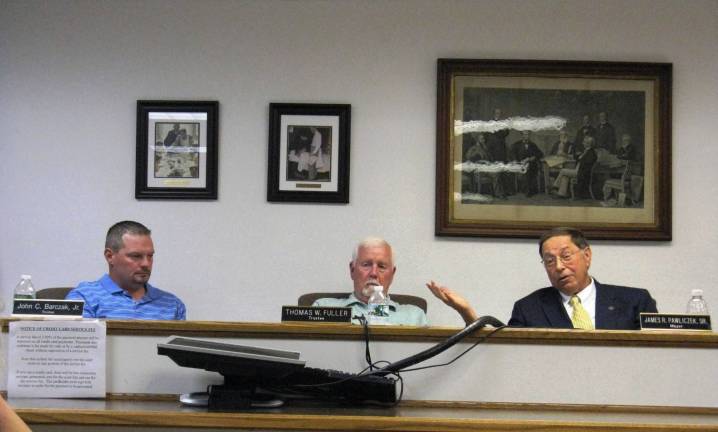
57,359
604,157
554,161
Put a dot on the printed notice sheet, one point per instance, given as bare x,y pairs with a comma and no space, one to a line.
57,359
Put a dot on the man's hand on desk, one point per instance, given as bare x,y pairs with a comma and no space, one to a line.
453,300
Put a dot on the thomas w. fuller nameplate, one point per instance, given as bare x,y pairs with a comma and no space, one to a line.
317,314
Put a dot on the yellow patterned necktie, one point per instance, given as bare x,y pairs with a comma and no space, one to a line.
580,317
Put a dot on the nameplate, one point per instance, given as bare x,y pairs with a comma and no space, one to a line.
47,308
656,321
317,314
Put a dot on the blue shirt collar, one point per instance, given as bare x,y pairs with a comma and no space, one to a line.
111,287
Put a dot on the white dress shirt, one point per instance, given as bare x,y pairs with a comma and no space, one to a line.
588,301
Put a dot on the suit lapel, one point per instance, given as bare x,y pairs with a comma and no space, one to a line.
554,310
606,308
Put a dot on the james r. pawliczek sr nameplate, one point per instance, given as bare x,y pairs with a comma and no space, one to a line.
317,314
658,321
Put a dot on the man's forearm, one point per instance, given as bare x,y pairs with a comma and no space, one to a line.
468,314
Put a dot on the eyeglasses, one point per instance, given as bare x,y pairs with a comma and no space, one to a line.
566,257
380,267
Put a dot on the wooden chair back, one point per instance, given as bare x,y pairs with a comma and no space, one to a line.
57,293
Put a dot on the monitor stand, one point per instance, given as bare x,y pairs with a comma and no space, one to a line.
201,399
195,399
236,393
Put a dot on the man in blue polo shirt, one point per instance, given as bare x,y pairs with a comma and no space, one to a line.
372,264
124,292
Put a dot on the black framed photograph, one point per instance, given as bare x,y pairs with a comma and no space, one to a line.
308,153
523,146
176,150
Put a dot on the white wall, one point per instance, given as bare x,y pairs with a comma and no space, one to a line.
72,71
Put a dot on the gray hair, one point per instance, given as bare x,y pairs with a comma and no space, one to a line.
114,242
372,242
576,235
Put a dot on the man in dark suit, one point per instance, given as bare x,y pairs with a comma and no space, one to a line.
496,141
582,172
586,129
564,147
496,144
605,134
627,151
574,299
526,151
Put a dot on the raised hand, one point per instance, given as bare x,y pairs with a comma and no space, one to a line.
453,300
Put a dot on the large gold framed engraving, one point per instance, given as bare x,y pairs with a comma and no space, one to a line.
523,146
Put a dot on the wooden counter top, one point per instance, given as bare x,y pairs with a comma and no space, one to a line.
158,411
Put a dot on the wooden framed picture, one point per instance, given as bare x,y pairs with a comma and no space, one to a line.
523,146
309,152
176,150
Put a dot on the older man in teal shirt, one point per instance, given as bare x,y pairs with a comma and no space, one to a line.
373,265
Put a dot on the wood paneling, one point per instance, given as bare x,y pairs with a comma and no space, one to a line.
692,339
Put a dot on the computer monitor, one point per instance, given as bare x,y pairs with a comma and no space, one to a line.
231,360
263,378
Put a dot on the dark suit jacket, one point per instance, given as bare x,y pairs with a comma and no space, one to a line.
521,150
627,153
496,142
572,150
617,308
586,160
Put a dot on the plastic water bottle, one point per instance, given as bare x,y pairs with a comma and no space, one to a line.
24,289
696,305
378,307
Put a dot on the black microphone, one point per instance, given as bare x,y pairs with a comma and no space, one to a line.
438,348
